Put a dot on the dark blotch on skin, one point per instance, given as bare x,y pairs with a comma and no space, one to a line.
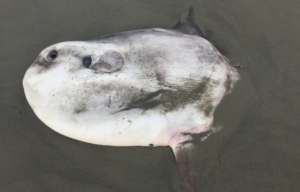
208,109
80,109
145,101
175,98
228,83
109,101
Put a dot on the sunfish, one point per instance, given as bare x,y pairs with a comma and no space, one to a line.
150,87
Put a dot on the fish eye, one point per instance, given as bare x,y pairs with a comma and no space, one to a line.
87,61
52,55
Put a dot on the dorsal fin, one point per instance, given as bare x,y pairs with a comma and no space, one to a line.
188,25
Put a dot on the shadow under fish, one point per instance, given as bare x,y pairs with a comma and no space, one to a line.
151,87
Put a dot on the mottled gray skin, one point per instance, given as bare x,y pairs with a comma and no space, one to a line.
169,94
154,58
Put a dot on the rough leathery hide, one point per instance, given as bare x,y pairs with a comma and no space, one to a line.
184,83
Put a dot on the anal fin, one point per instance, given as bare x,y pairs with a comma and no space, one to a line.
183,154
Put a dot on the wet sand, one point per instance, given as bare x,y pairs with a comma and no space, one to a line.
258,149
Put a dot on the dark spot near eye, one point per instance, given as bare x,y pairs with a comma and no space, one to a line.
52,55
87,61
151,145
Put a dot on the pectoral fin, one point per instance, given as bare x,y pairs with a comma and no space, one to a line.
110,61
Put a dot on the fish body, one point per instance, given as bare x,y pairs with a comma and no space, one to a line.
151,87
